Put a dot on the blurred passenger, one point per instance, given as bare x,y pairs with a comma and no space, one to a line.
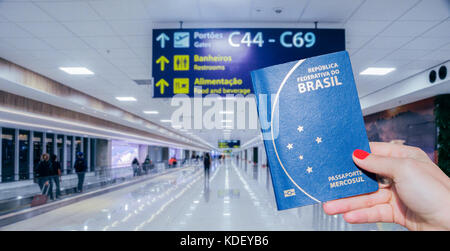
136,167
43,174
172,162
147,165
56,174
80,169
207,165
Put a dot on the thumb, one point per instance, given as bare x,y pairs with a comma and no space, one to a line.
381,165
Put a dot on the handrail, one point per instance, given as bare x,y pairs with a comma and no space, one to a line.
26,175
100,178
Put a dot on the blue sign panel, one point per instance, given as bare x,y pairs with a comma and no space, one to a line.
229,143
219,61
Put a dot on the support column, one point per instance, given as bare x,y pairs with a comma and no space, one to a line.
109,156
1,152
88,154
44,142
16,154
31,155
55,144
64,158
82,146
74,149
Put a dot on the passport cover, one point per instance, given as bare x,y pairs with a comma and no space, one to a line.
317,124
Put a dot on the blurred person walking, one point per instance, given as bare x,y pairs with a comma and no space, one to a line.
147,164
56,174
43,173
207,165
80,169
136,167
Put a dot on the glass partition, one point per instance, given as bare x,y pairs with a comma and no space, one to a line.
37,148
49,143
8,147
24,156
78,143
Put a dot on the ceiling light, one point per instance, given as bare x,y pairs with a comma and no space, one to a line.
227,121
126,98
151,112
166,120
226,112
378,71
76,70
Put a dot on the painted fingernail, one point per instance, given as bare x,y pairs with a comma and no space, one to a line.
360,154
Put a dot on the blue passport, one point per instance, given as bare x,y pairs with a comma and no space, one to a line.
311,122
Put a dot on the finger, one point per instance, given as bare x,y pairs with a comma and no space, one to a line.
357,202
398,151
381,165
377,213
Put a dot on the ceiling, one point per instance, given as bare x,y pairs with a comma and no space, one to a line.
113,38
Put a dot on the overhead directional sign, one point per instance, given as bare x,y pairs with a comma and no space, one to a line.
219,61
229,143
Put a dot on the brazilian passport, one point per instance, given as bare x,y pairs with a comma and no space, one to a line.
311,122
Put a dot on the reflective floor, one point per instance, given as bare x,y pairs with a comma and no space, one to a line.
235,198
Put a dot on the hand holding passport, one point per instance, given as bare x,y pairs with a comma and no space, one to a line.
316,134
315,123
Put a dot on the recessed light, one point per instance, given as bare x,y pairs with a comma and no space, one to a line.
126,98
76,70
166,120
151,112
378,71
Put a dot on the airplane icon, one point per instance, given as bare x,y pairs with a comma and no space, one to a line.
182,37
181,40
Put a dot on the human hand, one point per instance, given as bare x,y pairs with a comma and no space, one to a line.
418,198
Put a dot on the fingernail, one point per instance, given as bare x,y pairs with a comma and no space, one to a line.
360,154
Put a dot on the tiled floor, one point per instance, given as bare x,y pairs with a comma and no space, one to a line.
235,198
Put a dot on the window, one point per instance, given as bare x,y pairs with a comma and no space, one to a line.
93,156
78,144
37,148
8,146
24,156
49,143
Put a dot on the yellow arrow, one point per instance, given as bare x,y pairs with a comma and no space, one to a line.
161,84
163,61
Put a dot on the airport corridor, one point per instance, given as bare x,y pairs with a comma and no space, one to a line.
233,199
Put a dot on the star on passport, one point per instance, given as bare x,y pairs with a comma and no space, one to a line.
309,169
300,157
290,146
318,140
300,128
